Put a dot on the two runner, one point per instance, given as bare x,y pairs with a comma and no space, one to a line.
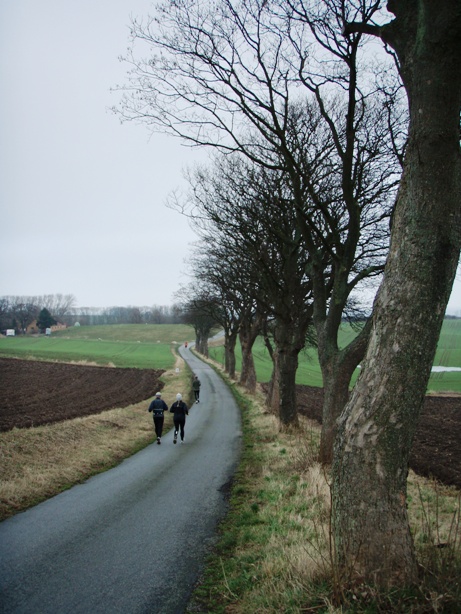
179,410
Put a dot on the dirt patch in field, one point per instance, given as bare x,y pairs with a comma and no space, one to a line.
36,392
437,445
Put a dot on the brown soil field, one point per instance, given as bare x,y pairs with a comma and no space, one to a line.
436,449
36,392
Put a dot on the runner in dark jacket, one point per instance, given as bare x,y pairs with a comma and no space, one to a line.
196,388
180,411
157,407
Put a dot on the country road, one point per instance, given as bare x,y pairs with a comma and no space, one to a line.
131,540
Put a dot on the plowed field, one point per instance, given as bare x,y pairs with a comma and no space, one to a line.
35,392
437,445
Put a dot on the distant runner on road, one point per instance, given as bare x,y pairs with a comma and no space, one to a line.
180,411
157,407
196,388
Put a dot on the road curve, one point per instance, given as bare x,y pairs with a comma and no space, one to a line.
133,539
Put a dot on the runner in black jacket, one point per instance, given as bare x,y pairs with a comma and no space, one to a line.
196,388
180,411
157,407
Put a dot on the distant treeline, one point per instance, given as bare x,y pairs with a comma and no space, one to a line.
91,316
19,312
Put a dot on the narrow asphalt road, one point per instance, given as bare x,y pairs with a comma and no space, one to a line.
131,540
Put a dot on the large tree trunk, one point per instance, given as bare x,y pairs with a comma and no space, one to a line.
230,341
336,393
289,339
201,342
376,429
281,395
248,372
288,366
273,392
337,369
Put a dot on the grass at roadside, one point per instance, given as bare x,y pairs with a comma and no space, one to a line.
37,463
273,553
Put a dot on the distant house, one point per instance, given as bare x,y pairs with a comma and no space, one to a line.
33,328
58,326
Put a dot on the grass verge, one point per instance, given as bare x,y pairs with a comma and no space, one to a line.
274,549
38,463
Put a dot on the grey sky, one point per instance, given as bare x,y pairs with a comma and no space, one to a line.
83,197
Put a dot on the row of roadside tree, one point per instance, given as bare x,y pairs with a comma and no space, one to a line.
334,166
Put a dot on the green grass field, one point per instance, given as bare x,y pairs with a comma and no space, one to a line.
448,355
145,346
148,346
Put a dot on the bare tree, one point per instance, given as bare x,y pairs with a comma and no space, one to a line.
245,77
228,242
24,312
213,270
25,309
378,425
216,76
196,312
60,305
254,223
5,317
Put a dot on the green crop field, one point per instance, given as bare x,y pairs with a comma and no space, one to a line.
146,346
448,355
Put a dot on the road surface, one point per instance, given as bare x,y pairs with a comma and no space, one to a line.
131,540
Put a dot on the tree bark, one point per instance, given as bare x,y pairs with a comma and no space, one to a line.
337,369
376,430
288,366
229,354
273,392
289,339
248,372
336,393
201,342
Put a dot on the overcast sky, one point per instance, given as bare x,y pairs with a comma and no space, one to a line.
83,197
